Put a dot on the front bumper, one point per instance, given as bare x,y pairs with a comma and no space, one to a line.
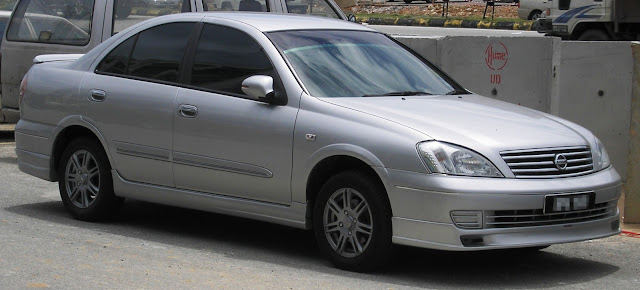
422,207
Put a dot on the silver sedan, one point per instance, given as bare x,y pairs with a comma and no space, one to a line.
311,123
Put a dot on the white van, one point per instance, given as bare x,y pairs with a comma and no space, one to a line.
75,26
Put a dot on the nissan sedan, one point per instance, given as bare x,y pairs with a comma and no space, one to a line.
311,123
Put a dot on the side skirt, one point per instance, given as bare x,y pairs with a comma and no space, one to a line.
289,215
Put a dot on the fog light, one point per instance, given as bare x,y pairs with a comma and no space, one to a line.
615,225
467,219
472,241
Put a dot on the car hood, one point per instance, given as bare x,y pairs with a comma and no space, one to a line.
470,120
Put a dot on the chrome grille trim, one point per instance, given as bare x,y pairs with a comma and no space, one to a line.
535,217
540,163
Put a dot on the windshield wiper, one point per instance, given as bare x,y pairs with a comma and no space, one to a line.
392,94
458,92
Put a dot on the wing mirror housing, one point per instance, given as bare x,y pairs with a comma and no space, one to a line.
260,88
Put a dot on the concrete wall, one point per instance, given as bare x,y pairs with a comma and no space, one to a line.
595,92
632,186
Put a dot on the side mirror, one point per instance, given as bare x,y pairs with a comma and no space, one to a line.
351,18
259,88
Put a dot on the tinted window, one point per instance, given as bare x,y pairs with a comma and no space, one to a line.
158,52
117,60
56,21
225,57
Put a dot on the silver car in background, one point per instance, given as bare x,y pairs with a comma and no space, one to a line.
311,123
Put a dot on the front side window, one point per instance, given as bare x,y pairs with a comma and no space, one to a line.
154,54
225,57
55,21
311,7
236,5
357,64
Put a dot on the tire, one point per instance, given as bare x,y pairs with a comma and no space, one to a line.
85,182
594,35
123,11
226,6
407,1
354,236
535,15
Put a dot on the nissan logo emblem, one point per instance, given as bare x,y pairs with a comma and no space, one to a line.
561,162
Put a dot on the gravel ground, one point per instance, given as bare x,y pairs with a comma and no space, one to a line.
435,10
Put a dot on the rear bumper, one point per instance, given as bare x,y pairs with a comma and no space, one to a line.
422,207
8,115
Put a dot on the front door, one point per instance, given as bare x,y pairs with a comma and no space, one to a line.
223,142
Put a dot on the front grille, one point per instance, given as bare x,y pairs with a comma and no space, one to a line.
540,163
536,217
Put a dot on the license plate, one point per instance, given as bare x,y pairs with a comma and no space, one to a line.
568,202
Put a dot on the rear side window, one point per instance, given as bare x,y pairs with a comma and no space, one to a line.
55,21
117,60
311,7
225,57
130,12
154,54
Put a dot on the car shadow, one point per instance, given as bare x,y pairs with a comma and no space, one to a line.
6,136
246,239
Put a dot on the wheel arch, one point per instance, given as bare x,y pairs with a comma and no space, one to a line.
332,164
69,129
582,27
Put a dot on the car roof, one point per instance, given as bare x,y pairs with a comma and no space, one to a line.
267,22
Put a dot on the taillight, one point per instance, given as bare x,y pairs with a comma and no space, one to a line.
23,88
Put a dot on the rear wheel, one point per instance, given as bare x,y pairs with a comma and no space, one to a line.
84,178
408,1
535,14
594,35
352,222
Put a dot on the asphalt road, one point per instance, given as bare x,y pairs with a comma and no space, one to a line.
152,246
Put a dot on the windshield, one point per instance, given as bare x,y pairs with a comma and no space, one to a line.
357,64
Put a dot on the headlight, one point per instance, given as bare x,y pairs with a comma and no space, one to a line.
600,156
450,159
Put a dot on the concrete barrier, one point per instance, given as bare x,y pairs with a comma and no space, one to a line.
632,186
595,92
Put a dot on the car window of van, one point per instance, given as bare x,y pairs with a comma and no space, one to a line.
225,57
311,7
53,21
236,5
130,12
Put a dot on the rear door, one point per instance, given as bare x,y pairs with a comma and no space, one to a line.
132,96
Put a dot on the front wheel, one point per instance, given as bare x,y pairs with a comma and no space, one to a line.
352,222
594,35
85,182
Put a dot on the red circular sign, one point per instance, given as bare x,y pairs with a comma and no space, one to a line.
496,56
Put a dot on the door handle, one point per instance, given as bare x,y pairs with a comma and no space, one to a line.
97,95
188,111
